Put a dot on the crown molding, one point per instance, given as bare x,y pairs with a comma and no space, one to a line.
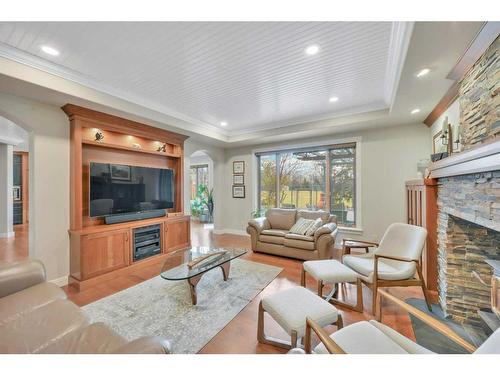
400,40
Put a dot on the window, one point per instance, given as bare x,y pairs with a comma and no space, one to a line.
199,176
321,178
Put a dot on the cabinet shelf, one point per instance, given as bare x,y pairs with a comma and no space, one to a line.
120,147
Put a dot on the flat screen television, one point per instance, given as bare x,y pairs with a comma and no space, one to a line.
119,189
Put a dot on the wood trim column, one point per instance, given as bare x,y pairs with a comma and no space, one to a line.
75,195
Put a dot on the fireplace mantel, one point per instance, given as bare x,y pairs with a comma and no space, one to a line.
484,158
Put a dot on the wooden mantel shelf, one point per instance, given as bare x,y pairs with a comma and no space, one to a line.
484,158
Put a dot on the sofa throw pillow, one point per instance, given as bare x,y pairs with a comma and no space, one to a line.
314,227
301,226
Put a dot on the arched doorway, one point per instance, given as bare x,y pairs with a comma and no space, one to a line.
201,187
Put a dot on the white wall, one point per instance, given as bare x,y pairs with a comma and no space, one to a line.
389,157
49,179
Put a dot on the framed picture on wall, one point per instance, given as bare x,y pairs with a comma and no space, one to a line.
238,191
238,179
238,167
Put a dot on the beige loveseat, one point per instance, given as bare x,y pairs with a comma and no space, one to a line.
36,317
271,235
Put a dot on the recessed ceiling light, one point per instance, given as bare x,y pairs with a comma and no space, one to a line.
223,123
423,72
312,49
333,99
415,111
50,51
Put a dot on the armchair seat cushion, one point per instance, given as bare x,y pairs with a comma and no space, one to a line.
274,232
290,308
363,338
387,270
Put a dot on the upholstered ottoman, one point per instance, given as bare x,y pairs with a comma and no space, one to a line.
290,308
333,272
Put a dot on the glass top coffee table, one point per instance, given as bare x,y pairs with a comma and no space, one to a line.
191,264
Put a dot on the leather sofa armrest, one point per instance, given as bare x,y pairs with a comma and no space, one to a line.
259,224
145,345
18,276
325,229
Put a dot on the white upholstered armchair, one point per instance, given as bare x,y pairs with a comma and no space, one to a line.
394,262
374,337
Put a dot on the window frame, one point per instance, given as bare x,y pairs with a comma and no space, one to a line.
325,145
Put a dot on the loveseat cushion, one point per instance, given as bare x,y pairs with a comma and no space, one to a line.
278,240
17,304
313,215
299,244
274,232
301,237
96,338
281,218
32,332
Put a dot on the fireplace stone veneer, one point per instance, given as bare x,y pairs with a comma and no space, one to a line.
468,233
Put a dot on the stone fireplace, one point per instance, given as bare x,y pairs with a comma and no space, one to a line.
468,233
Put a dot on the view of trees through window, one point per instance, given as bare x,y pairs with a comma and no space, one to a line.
299,179
199,176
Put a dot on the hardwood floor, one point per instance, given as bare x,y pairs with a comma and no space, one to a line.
15,248
240,335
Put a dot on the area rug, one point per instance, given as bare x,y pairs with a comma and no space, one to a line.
158,307
437,342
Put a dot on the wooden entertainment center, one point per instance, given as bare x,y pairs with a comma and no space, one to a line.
99,251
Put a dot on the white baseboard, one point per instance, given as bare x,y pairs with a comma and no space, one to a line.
7,234
236,232
61,281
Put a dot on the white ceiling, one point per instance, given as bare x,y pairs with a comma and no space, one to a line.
252,120
252,75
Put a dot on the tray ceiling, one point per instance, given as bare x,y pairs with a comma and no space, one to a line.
251,75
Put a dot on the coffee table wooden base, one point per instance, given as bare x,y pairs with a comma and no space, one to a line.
193,281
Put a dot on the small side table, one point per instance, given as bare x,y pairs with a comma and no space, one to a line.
347,245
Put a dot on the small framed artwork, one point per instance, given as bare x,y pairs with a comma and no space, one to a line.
16,193
238,179
238,167
120,172
238,191
437,143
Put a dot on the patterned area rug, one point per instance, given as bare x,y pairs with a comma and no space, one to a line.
158,307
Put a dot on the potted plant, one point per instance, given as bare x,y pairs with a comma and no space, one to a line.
199,203
210,204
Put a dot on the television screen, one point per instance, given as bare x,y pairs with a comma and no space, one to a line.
117,189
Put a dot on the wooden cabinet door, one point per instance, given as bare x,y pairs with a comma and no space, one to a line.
177,235
104,252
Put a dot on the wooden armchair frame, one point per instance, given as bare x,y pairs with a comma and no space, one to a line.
377,282
333,348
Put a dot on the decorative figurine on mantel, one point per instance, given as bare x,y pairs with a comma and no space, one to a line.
99,136
162,148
